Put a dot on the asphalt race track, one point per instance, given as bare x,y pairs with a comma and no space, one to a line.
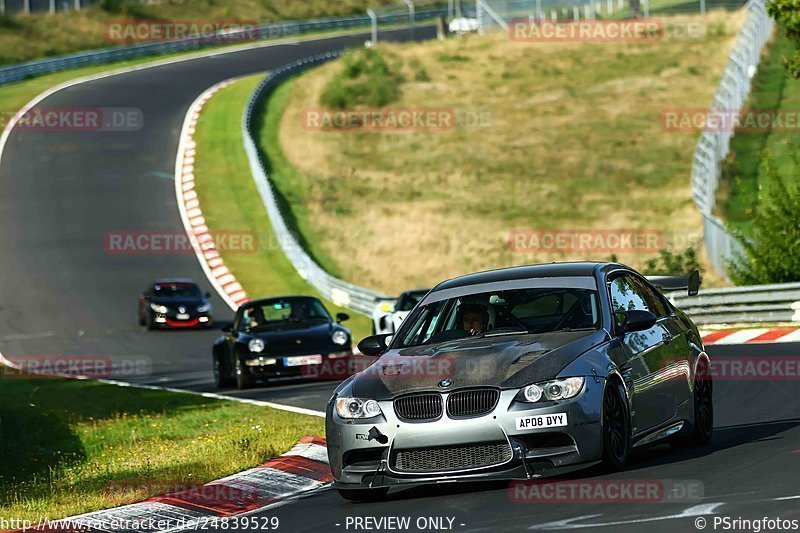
64,294
750,470
63,191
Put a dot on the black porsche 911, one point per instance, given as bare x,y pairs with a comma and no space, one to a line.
288,336
520,373
175,303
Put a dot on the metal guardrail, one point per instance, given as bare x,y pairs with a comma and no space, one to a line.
737,305
713,146
338,291
29,69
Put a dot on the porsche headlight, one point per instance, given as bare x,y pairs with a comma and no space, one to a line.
557,389
158,308
339,337
256,345
205,308
357,408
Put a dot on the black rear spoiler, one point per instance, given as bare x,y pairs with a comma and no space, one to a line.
690,283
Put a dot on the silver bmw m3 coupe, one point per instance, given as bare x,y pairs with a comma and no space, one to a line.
520,373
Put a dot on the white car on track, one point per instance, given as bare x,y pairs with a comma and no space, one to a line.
390,312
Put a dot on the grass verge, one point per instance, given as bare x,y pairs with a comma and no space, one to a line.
549,136
69,447
742,175
230,202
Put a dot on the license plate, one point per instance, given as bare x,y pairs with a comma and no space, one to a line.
182,316
542,421
301,360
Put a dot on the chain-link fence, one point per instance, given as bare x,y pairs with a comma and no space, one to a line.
385,20
714,144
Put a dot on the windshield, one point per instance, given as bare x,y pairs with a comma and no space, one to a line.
176,290
283,314
506,312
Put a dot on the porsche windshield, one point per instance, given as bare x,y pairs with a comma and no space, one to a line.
505,312
282,314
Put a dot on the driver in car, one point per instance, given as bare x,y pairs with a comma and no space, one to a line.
254,317
474,318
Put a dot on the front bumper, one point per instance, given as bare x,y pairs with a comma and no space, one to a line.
170,320
338,366
358,461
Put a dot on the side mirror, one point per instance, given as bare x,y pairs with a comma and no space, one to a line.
373,345
341,317
636,320
228,328
207,295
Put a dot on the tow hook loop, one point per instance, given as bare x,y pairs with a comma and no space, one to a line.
375,434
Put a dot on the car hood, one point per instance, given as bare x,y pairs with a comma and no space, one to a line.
505,362
310,335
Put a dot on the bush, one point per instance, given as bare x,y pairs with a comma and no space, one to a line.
365,78
115,7
785,12
9,23
669,263
771,251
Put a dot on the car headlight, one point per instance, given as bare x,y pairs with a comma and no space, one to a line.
158,308
205,308
256,345
557,389
357,408
339,337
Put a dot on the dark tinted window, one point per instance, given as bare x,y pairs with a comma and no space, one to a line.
629,293
654,301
